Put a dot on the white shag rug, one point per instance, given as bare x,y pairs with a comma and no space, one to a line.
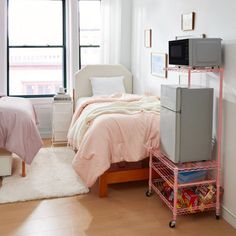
50,175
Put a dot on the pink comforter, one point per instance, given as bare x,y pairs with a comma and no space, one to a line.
18,130
113,138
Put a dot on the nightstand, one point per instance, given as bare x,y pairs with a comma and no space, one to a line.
61,118
5,163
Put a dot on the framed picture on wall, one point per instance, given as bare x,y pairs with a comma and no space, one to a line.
148,38
158,64
187,21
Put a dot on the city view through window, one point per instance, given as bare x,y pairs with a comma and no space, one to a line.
36,46
35,50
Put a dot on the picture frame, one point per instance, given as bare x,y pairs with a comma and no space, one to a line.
187,21
148,38
158,64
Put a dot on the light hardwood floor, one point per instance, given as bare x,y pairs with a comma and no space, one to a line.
127,211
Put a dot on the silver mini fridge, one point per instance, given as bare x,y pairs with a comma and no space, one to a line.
186,123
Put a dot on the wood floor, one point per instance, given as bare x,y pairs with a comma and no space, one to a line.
126,212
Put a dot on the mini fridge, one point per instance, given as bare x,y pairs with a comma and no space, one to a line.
186,123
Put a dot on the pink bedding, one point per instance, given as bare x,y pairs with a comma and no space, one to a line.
114,137
18,130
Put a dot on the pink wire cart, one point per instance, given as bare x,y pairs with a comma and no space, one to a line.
169,172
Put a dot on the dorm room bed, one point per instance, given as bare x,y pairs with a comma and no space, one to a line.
18,130
132,122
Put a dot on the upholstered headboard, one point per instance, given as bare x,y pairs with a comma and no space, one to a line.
83,85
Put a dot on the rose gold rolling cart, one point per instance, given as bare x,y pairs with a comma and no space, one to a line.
169,173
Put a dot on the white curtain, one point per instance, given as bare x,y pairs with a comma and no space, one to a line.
111,31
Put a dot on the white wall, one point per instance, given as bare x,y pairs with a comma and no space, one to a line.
215,18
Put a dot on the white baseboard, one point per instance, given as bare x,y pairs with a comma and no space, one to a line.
229,216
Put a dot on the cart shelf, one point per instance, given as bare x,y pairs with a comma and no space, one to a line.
168,175
183,210
194,70
172,174
189,166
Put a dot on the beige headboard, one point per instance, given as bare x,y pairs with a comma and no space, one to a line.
82,82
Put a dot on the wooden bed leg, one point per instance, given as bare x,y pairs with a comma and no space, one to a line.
103,186
23,169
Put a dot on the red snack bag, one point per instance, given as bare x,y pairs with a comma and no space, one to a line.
167,190
190,198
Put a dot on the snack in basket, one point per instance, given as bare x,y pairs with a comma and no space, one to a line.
180,200
190,198
206,193
166,190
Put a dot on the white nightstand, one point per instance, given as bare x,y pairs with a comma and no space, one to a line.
5,163
61,118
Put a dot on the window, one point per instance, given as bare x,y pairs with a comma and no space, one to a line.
36,47
90,24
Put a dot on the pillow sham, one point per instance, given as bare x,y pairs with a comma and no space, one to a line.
107,85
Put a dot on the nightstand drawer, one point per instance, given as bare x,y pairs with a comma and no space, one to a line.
62,107
61,125
60,136
62,118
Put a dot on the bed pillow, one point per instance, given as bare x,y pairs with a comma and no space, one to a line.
107,85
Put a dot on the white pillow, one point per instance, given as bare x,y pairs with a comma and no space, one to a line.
107,85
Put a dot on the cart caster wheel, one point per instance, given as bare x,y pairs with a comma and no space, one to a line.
172,224
217,217
149,193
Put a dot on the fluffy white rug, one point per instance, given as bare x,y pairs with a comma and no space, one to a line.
50,175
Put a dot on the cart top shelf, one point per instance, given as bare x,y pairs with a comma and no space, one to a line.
194,70
190,166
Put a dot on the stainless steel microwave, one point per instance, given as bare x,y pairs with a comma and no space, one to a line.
195,52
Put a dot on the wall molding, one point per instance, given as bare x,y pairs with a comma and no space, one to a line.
229,216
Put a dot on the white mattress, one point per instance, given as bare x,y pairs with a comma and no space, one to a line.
81,100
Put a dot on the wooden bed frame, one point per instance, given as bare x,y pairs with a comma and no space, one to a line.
7,153
122,176
82,88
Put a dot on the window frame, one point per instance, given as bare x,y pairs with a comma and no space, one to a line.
63,47
85,45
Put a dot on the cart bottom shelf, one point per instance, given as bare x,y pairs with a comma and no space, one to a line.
156,187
